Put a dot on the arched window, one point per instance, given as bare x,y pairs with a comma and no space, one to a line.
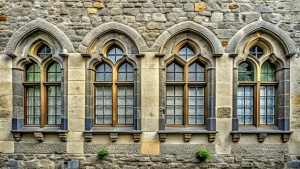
256,102
43,51
256,51
179,111
114,98
186,52
33,95
114,53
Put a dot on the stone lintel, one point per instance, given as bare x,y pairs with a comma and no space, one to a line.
39,136
187,137
17,136
211,137
113,137
261,137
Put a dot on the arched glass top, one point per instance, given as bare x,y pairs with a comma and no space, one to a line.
256,51
125,72
174,72
196,72
186,52
43,51
54,73
268,72
33,73
104,72
246,72
114,53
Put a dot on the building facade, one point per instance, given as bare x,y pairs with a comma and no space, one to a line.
151,81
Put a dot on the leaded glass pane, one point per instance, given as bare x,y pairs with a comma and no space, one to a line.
125,104
174,104
245,104
54,104
186,52
43,51
103,97
104,72
54,73
33,73
268,72
33,104
114,53
267,104
174,72
256,51
125,72
245,72
196,72
196,104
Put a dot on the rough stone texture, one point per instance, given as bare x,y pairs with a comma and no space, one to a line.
41,148
185,148
267,149
224,112
90,148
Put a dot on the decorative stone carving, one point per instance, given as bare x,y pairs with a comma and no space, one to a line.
211,137
136,137
63,136
88,137
224,43
261,137
113,137
162,137
17,136
39,136
187,137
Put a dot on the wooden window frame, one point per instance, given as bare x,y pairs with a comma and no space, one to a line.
256,100
114,84
186,85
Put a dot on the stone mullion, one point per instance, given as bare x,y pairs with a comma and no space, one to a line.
235,123
211,120
162,93
137,99
64,96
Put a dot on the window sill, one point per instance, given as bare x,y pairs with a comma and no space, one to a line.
113,132
261,132
39,133
187,133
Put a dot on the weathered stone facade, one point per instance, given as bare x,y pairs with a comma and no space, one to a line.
149,31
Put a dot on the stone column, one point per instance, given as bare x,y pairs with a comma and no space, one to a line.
6,104
150,103
76,103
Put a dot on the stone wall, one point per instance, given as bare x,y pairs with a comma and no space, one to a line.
153,27
134,161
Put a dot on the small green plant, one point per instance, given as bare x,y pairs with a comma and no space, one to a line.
102,153
202,155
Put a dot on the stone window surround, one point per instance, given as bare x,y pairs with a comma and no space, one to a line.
282,74
92,61
18,127
187,132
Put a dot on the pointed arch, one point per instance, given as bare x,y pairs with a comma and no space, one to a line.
208,35
110,27
38,25
261,25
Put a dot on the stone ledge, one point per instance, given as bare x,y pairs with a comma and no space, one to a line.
261,134
187,134
39,133
88,134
